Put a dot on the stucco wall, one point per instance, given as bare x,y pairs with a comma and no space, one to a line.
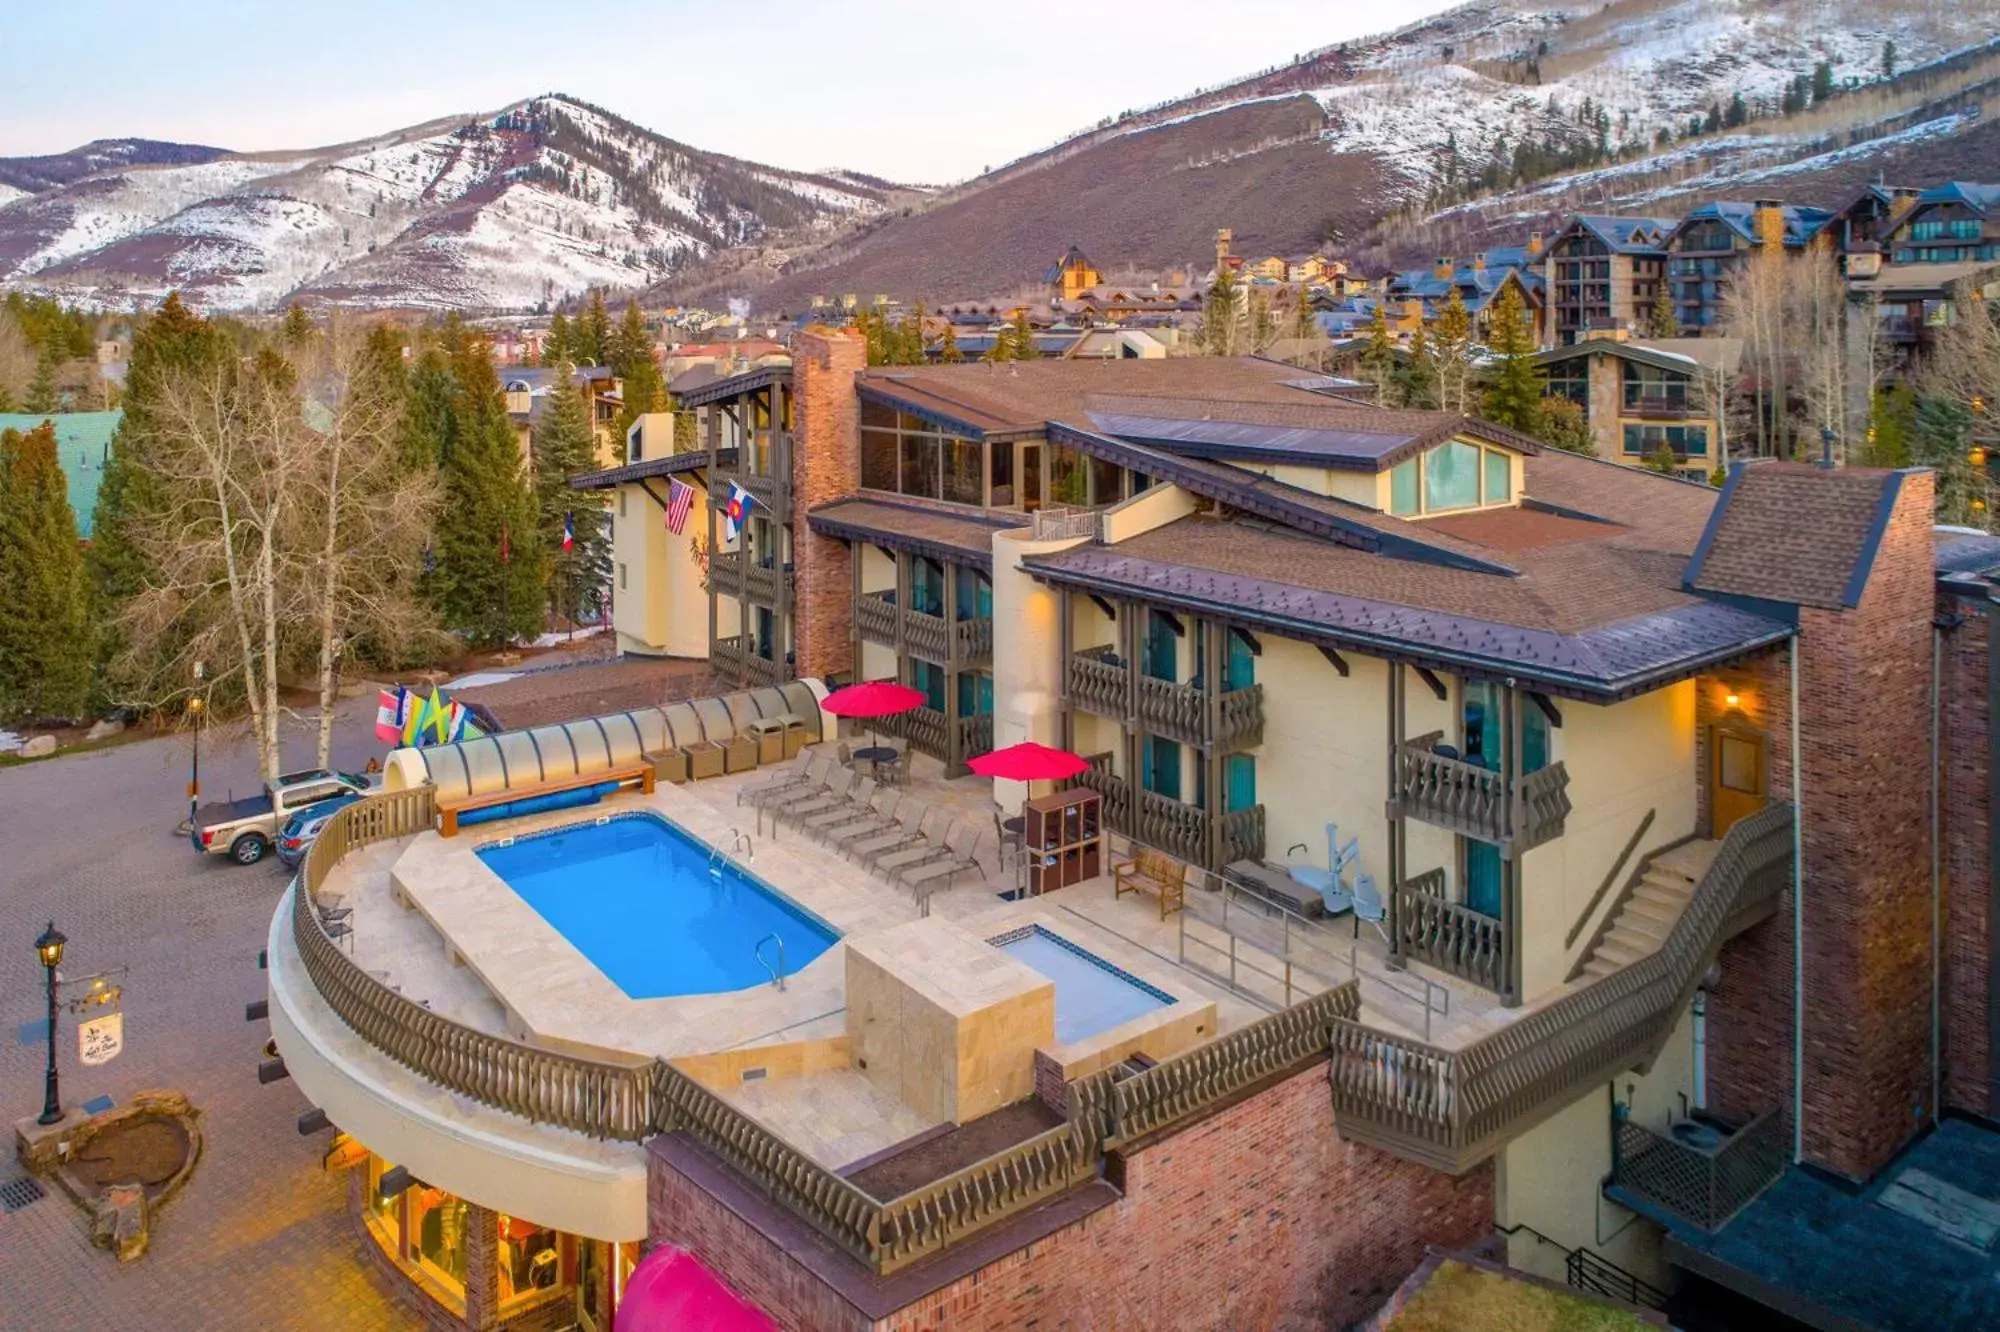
1027,670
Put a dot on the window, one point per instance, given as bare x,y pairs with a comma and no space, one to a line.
975,694
1000,469
878,459
437,1224
1403,489
964,470
1106,482
1571,379
975,593
1031,477
1068,481
920,466
1239,664
530,1258
926,585
1162,660
1499,484
1161,767
1239,773
1451,477
1682,440
928,676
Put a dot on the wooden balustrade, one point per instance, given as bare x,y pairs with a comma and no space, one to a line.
875,617
924,728
975,735
595,1097
1240,719
1096,685
1178,712
1177,829
1241,832
1473,800
974,639
1449,935
1114,795
732,659
925,635
1452,1109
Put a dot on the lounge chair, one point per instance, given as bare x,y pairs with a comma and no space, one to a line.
963,856
880,817
855,804
833,797
910,817
893,863
806,769
929,829
836,781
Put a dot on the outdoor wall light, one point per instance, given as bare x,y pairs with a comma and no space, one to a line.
1732,700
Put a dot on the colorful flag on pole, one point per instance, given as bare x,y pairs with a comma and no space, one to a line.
737,511
413,718
439,717
569,532
388,718
680,502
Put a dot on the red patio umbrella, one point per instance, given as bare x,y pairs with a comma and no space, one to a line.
671,1289
875,698
1028,762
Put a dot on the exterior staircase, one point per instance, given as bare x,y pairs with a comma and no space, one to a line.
1640,923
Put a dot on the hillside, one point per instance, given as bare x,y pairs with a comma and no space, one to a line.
1493,114
511,211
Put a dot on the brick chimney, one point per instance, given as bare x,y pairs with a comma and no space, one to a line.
1442,268
1535,243
1767,222
826,464
1223,238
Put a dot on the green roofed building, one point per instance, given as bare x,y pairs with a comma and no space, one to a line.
83,444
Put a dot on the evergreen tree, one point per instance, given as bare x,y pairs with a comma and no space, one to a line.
631,359
1561,424
1822,81
1661,460
950,354
488,577
298,327
1452,351
1892,423
564,445
1379,361
1023,338
42,388
558,349
45,611
1889,59
1737,113
1661,319
1941,439
593,332
1714,120
1219,315
1418,386
1514,391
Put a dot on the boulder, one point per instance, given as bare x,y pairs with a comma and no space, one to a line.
99,730
119,1221
40,746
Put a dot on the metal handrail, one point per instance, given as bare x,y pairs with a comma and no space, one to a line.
777,974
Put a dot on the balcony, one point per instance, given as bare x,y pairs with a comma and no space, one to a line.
1475,801
1098,681
1449,935
729,575
1181,830
733,661
1657,408
1701,1172
876,615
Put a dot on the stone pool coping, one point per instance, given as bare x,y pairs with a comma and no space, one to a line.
554,996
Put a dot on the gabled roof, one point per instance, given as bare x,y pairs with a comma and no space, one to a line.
1711,353
1795,534
1981,198
672,464
1073,257
1359,438
1801,222
1624,235
717,390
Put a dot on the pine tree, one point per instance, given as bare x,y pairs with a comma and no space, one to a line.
1219,315
1561,424
1514,394
1941,438
42,388
564,445
1452,342
949,353
298,327
1737,113
1892,423
558,349
1023,338
1661,320
1822,81
1889,59
631,359
488,578
45,610
1379,361
1418,388
593,332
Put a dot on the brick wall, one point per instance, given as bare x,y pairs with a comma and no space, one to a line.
826,464
1050,1089
1967,945
1257,1219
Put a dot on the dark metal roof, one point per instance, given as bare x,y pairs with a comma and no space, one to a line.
1350,450
670,465
1600,664
737,385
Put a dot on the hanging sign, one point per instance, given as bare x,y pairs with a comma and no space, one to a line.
100,1040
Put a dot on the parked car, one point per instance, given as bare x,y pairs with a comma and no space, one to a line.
302,829
245,830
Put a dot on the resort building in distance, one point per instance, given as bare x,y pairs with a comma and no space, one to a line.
1640,934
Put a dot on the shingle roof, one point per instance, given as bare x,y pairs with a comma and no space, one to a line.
1796,534
960,535
672,464
1978,196
1801,222
1626,235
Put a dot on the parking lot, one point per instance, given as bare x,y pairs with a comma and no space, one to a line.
260,1237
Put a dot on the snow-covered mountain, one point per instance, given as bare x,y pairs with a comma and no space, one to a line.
542,200
1518,107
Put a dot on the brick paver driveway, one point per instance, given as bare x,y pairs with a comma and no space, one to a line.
259,1238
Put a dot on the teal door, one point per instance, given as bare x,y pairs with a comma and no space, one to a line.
1162,647
1239,667
975,694
1240,773
975,594
1160,767
1482,877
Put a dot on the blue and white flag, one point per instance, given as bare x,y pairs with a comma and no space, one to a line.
737,512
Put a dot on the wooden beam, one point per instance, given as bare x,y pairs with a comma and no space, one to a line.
1429,677
1256,648
1173,622
1548,707
1110,611
1338,662
653,495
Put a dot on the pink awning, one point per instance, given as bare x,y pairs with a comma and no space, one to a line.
671,1290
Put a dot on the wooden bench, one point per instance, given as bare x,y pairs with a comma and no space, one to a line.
449,810
1155,872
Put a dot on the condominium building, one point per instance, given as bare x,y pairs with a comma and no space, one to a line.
1710,244
1603,272
1642,396
1651,803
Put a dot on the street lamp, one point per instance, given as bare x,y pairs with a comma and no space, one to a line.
49,949
196,705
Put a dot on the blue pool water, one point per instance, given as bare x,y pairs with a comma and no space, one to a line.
635,895
1092,995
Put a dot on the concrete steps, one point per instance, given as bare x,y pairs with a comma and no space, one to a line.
1647,916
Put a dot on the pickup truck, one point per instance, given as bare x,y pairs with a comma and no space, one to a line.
245,829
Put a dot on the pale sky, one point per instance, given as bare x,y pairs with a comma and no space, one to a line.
924,92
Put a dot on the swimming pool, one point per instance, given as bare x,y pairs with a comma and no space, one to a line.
638,897
1092,995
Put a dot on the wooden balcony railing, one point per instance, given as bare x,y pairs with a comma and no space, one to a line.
1448,935
1657,408
1114,794
595,1097
1177,829
875,617
1166,824
730,575
1242,835
1473,800
975,735
975,639
733,661
924,634
1098,683
1452,1109
1661,1173
924,728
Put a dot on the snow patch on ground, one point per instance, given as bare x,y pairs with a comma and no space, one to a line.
478,678
8,194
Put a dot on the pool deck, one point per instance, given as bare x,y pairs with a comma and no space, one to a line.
457,939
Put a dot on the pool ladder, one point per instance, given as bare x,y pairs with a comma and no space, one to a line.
777,972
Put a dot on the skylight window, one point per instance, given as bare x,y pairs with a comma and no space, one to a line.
1453,476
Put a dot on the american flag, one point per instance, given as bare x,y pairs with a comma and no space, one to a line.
680,502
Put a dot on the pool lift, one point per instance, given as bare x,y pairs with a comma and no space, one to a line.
777,972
